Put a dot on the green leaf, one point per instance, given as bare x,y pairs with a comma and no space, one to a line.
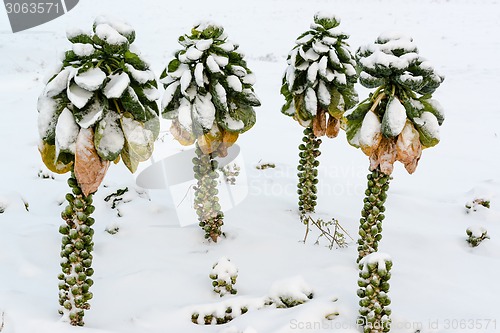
173,65
240,120
135,60
81,38
130,103
90,114
433,107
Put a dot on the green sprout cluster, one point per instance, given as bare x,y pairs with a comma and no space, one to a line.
286,301
372,214
206,202
308,171
215,318
373,280
475,237
230,173
224,275
76,254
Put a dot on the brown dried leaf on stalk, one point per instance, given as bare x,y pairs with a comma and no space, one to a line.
90,169
184,137
408,147
333,127
319,123
384,156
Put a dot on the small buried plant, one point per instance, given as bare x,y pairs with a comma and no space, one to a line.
224,274
209,97
476,236
318,87
100,107
395,123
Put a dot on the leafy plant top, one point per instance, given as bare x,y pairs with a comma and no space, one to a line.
101,103
320,77
400,118
209,91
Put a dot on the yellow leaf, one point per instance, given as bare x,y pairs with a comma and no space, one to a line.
90,169
48,153
210,141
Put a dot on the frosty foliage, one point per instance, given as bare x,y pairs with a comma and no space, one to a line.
408,117
209,91
321,73
101,83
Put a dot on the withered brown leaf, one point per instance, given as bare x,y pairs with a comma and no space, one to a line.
319,123
384,156
333,127
408,147
89,169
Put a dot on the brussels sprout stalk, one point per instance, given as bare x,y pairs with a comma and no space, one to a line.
308,172
206,202
76,254
372,215
374,274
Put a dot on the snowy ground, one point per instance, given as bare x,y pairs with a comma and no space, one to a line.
152,275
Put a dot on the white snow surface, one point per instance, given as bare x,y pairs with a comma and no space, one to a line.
152,274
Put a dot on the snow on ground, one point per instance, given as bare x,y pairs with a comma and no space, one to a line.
152,274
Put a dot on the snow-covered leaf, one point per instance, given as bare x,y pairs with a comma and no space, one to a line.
90,114
394,118
203,111
108,138
66,132
117,84
59,83
90,80
132,104
49,110
428,127
370,133
139,143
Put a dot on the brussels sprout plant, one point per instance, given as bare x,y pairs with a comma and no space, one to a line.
99,108
395,123
209,97
318,87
